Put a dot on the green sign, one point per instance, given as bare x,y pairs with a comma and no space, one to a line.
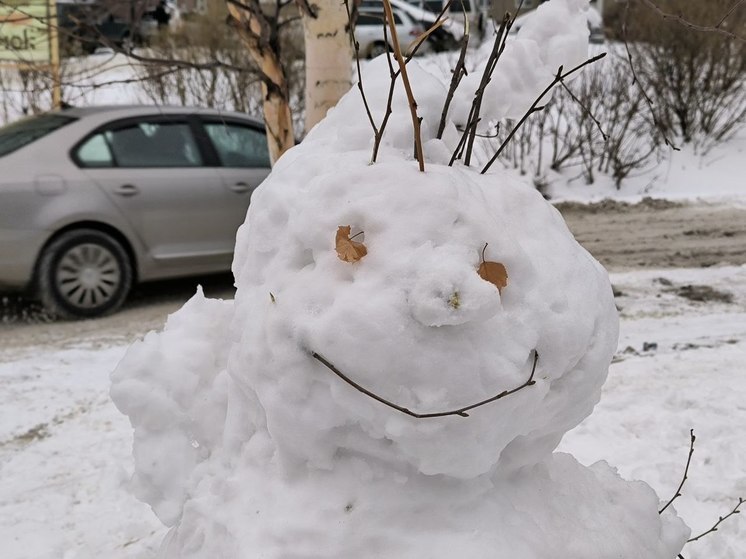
24,32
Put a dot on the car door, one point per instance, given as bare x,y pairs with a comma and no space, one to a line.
243,155
161,178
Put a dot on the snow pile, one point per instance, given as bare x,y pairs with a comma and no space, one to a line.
249,446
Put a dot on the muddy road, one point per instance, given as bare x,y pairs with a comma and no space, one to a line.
651,234
659,233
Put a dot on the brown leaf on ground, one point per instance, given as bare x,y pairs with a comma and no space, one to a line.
347,249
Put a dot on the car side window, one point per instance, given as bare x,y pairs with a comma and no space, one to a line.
95,152
238,145
369,19
154,144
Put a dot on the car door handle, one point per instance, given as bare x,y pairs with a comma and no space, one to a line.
240,187
126,190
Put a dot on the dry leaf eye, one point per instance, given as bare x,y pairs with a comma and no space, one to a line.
348,249
493,272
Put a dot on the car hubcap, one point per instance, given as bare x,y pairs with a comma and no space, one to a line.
88,276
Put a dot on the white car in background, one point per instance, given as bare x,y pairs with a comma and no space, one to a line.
96,199
476,11
370,35
411,21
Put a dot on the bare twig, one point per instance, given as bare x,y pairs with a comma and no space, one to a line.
640,86
439,21
721,519
379,130
356,46
458,72
407,86
536,107
586,109
717,28
729,13
686,472
461,412
497,50
389,99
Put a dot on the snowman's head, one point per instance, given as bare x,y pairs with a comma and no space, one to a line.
412,321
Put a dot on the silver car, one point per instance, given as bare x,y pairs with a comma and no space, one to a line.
93,200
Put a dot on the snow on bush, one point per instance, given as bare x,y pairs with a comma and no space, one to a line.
248,446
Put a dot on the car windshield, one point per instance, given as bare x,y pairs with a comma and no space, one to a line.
23,132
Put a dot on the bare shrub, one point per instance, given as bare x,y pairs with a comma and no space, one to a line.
596,123
632,140
695,79
28,90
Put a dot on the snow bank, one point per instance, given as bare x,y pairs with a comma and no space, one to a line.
249,446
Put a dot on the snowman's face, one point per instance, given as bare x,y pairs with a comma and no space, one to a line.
412,321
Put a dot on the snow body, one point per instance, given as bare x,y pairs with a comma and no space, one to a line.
250,447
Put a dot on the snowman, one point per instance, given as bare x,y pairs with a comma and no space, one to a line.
405,351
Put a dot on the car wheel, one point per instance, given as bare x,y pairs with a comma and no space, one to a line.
376,49
83,273
128,44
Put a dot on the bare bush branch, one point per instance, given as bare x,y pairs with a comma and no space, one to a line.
686,472
721,519
716,28
535,105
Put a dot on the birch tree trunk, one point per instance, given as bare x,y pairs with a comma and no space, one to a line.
260,35
328,56
328,62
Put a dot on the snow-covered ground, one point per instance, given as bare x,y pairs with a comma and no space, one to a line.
681,175
65,451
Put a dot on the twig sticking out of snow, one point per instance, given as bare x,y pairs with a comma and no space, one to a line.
416,121
378,131
458,72
461,412
494,58
721,519
686,472
535,105
470,130
356,47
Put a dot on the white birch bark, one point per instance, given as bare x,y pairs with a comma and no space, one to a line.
328,57
256,33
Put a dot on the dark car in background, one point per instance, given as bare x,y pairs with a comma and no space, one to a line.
93,200
85,27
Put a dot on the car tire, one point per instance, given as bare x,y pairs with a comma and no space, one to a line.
83,273
376,49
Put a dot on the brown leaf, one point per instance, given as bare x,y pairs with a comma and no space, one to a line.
495,273
347,249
